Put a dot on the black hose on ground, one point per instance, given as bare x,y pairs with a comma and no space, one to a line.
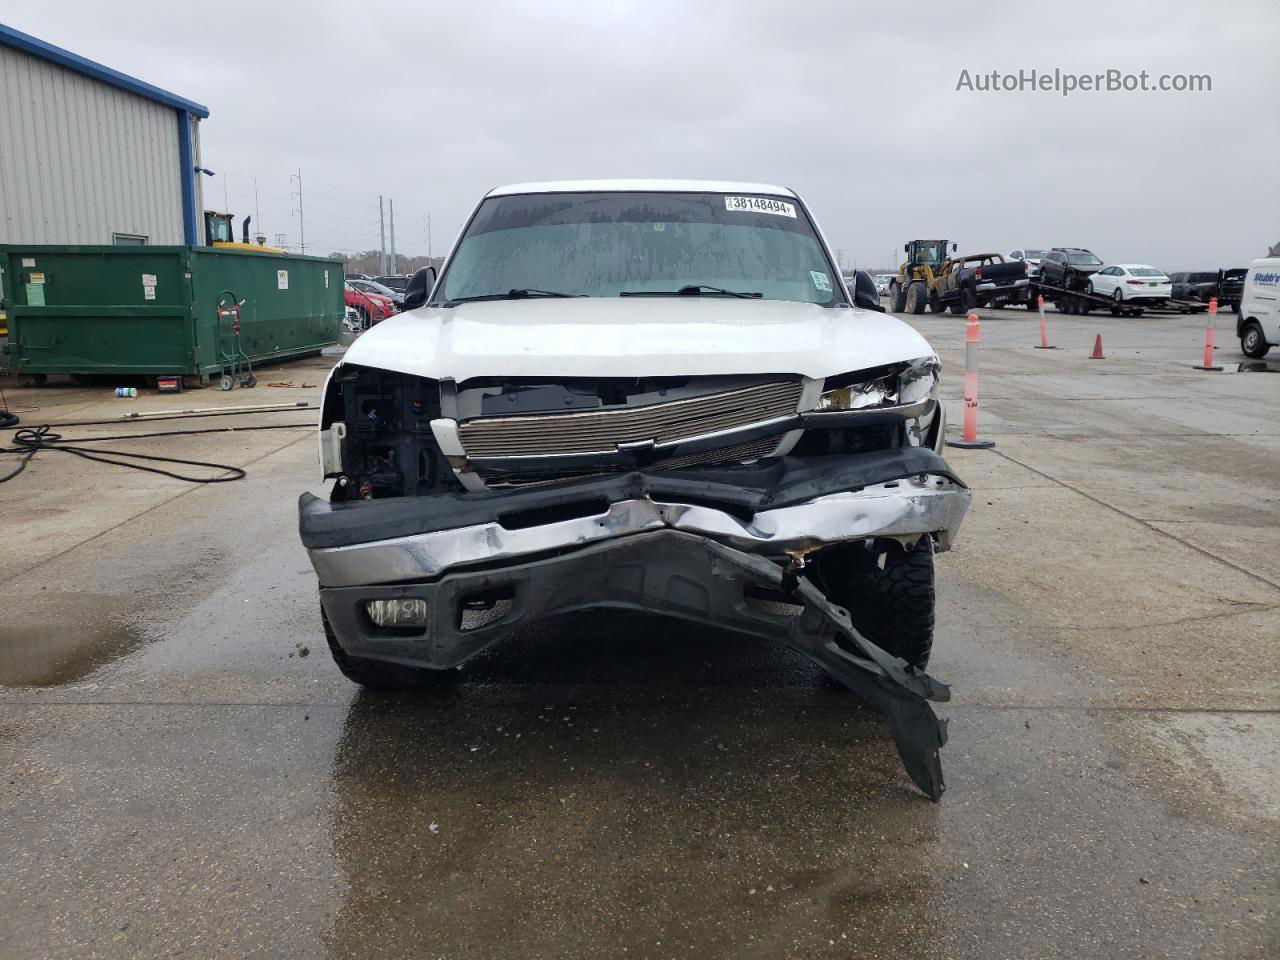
32,440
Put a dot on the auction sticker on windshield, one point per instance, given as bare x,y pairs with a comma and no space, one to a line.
779,208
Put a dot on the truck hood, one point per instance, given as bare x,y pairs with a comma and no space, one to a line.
635,337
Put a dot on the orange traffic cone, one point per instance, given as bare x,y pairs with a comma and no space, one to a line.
1208,337
1097,349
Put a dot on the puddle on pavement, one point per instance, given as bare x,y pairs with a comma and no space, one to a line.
57,653
1251,366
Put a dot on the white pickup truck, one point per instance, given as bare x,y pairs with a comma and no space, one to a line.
642,395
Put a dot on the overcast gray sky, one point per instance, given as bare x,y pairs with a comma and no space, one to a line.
852,104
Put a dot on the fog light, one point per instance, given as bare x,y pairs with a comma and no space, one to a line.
401,612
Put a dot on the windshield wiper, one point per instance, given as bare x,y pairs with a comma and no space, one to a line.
522,293
693,290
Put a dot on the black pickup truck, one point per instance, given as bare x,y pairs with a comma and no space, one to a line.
1226,285
980,280
1231,287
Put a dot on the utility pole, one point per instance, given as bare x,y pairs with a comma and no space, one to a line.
256,216
429,257
382,240
392,205
302,225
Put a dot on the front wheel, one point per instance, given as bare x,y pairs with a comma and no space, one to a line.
889,593
916,298
1252,343
898,298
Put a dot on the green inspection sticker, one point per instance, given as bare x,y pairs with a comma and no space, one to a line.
35,294
820,280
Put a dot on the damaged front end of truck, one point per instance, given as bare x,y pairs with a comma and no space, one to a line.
805,509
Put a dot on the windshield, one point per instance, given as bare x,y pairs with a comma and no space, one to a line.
1145,272
1032,254
930,251
609,244
1083,259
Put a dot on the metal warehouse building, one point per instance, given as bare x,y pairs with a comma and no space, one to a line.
90,155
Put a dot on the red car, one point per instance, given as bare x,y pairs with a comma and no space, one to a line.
372,307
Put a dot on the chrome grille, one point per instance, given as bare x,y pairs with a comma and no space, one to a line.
601,431
737,453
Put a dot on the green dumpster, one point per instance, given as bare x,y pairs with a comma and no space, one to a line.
153,311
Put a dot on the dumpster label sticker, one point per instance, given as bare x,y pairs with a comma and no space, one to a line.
326,279
37,278
282,279
35,295
28,262
148,286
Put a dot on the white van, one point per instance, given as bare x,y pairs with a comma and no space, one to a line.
1258,323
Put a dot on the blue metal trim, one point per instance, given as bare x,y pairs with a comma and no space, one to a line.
65,58
186,158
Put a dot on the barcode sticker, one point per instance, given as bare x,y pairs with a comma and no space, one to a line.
779,208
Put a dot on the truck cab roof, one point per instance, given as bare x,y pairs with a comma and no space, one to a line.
640,186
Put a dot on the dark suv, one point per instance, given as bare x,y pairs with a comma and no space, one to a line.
1195,285
1068,267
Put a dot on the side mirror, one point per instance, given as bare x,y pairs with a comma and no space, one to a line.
906,248
864,292
953,248
419,288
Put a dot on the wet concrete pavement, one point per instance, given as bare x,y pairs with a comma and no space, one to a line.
185,773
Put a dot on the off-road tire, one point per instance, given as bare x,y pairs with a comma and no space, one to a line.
957,307
916,298
1253,344
898,298
379,675
890,606
968,299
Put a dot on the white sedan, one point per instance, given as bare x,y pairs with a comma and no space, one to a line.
1131,283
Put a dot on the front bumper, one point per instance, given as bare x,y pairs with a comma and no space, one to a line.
672,573
689,544
791,507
